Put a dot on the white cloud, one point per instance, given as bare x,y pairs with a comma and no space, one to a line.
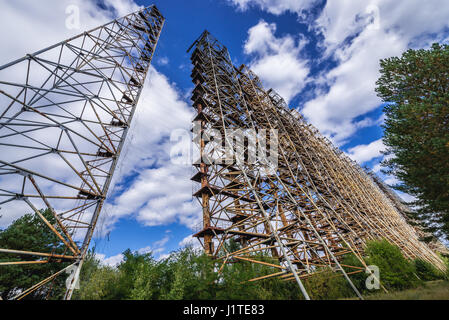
157,249
377,168
160,192
45,27
190,241
366,152
277,61
358,34
122,7
406,197
352,84
390,180
160,196
163,61
161,243
112,261
275,6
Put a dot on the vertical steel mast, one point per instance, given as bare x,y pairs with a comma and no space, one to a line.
65,113
307,212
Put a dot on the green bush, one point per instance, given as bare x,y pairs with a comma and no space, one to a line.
186,274
358,279
445,259
426,271
396,272
328,285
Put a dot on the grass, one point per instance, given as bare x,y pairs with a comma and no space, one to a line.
432,290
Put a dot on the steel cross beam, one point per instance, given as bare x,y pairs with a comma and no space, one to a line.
65,112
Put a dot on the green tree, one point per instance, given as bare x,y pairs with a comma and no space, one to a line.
186,274
193,275
30,233
144,282
415,88
97,282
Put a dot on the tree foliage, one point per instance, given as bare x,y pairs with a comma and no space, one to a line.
328,285
396,272
189,274
426,271
192,275
415,88
30,233
185,274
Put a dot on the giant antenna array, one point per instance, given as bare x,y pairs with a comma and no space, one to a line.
309,211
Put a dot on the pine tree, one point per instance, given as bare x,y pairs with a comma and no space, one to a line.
415,89
30,233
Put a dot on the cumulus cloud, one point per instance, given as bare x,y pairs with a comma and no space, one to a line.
147,185
190,241
357,35
391,180
366,152
157,249
277,61
377,167
276,7
163,61
121,7
352,85
112,261
45,27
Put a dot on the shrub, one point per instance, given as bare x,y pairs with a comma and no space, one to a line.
358,279
396,272
327,285
426,271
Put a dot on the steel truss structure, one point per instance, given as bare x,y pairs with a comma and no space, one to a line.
65,113
316,207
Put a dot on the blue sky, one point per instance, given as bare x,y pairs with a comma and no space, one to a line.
321,56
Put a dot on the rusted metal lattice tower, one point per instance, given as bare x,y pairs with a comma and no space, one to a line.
311,210
65,113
